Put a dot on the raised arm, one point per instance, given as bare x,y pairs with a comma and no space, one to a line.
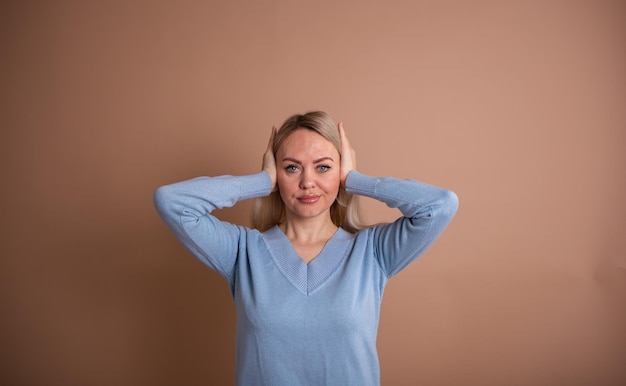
186,209
426,211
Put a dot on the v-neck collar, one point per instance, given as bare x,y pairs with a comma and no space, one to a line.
307,277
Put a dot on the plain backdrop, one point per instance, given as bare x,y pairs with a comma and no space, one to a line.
517,106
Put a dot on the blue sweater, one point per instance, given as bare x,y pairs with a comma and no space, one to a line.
300,324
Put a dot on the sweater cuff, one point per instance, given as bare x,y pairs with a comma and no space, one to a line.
255,185
357,183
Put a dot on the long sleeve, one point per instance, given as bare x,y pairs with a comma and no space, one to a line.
426,211
186,209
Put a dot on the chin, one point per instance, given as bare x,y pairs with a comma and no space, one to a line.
311,212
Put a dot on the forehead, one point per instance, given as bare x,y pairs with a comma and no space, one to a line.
303,142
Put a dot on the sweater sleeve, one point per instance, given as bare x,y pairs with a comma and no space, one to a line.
186,209
426,211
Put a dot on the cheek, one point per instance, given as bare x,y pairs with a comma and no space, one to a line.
332,182
283,183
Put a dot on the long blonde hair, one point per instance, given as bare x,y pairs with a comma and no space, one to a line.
344,212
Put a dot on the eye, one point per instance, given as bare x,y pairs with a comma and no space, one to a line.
291,168
323,168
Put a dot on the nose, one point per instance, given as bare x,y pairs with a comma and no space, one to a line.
306,180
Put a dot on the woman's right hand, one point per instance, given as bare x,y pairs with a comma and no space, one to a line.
269,161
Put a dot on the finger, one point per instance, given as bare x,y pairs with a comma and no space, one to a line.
342,136
270,144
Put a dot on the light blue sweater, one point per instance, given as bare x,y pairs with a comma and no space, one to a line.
300,324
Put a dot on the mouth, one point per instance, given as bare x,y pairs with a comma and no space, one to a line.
309,199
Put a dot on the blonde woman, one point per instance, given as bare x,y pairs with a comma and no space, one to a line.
308,279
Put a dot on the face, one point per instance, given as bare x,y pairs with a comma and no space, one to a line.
308,174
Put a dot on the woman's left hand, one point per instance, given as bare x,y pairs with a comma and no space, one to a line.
348,157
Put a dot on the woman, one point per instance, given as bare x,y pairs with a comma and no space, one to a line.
308,281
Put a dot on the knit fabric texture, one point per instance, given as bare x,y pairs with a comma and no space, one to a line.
297,323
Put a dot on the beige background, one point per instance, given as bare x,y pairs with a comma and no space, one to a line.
518,106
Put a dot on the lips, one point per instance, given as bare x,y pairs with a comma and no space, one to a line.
309,199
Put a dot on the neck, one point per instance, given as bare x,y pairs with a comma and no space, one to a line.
308,230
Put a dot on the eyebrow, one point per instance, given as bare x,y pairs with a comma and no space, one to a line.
300,162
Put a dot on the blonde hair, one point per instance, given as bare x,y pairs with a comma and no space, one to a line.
344,212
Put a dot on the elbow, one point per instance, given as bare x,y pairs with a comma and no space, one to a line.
449,204
162,199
